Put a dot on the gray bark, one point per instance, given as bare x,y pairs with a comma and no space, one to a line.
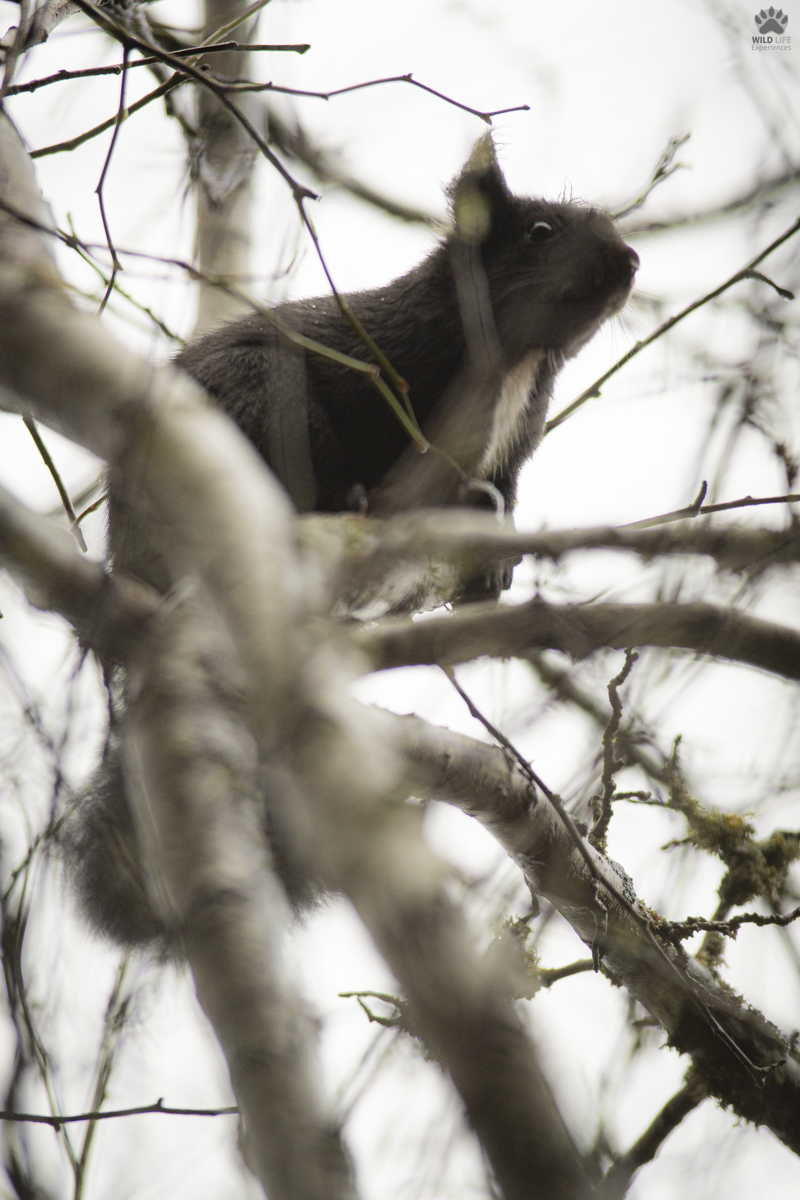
218,516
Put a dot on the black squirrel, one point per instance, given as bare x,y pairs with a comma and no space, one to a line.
549,274
478,331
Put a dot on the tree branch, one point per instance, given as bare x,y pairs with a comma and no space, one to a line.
746,272
620,1176
702,1017
192,779
108,613
202,498
423,553
580,630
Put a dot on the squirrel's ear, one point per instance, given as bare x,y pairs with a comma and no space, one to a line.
479,195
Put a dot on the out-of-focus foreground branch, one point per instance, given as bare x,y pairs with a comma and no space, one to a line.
224,526
579,630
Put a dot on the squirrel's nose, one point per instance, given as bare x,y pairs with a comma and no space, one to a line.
634,259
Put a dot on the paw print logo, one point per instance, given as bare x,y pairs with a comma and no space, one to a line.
772,20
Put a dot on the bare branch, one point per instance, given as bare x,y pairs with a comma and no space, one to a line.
679,930
74,527
702,1017
117,68
580,630
111,1114
665,167
109,614
632,741
192,779
611,764
593,391
620,1176
697,509
216,512
759,194
246,86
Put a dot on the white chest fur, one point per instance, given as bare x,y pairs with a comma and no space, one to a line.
510,411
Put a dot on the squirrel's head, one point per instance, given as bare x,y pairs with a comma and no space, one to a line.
555,271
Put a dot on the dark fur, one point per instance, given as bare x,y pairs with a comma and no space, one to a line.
323,428
334,443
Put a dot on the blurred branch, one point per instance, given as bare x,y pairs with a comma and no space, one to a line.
74,527
580,630
620,1175
425,543
593,391
662,170
191,762
762,192
221,163
109,614
296,142
218,516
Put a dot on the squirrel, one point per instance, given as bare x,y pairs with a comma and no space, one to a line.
478,331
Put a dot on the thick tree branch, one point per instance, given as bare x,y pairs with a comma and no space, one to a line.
580,630
192,778
422,554
214,512
702,1018
108,613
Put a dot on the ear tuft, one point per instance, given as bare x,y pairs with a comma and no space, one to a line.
479,195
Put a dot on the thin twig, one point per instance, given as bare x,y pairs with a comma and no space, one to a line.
662,170
117,68
611,764
116,266
593,392
679,930
692,510
248,86
109,1114
74,524
550,975
116,1015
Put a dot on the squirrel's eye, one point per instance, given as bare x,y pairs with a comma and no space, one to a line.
540,231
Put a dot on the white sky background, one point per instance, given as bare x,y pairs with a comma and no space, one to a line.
607,86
